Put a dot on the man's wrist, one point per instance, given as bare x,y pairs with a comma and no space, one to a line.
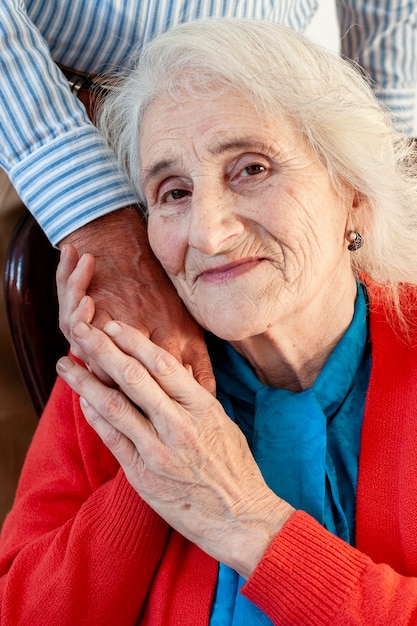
118,228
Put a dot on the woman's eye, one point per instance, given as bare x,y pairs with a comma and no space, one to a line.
175,194
253,169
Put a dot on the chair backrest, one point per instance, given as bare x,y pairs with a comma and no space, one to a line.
32,309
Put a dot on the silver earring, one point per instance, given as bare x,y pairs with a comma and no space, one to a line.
355,239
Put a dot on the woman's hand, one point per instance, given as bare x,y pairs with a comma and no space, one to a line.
180,451
127,283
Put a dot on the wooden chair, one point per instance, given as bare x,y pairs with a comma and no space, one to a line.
32,309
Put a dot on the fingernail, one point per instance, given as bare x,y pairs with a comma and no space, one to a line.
80,329
64,364
84,402
112,328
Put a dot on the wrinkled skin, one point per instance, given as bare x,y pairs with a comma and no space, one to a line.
127,283
180,451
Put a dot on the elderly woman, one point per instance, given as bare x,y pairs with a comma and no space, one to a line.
283,207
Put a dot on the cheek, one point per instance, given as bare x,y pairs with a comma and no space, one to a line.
167,245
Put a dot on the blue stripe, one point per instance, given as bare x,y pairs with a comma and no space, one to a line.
383,39
73,166
96,36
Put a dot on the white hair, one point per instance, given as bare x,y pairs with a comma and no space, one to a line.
328,100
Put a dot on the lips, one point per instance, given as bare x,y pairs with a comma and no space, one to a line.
229,270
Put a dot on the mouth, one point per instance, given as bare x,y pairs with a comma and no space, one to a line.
229,271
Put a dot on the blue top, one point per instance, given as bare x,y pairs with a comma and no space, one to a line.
306,444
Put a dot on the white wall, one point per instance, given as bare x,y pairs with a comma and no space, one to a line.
324,28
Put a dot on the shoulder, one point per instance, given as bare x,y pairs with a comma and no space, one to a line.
393,313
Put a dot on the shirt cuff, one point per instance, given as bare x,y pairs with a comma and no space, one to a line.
70,182
305,575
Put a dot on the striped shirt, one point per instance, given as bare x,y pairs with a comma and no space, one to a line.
52,153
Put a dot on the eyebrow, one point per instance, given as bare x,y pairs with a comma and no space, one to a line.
158,168
247,143
149,173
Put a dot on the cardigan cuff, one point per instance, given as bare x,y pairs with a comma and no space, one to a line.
305,574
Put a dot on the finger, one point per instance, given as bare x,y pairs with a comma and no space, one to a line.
120,445
141,386
72,284
67,264
176,380
101,374
109,412
85,312
202,369
192,353
78,282
128,372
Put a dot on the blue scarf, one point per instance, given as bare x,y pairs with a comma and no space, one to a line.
306,444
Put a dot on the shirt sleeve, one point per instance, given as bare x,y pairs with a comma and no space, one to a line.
52,153
381,35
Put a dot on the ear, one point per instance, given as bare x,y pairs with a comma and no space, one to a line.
357,199
360,216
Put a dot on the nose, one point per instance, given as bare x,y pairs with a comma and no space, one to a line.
215,223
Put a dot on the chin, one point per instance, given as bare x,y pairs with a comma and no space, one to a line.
231,332
230,324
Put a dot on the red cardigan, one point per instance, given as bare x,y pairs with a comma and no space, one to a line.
80,547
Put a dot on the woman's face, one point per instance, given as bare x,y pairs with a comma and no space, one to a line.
242,215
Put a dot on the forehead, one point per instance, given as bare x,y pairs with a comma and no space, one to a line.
210,123
197,112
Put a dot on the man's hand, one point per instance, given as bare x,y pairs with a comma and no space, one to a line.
127,283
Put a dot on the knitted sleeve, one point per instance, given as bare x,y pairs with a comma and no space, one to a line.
309,576
71,549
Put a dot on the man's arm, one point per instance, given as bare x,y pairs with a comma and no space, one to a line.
54,156
382,37
68,178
